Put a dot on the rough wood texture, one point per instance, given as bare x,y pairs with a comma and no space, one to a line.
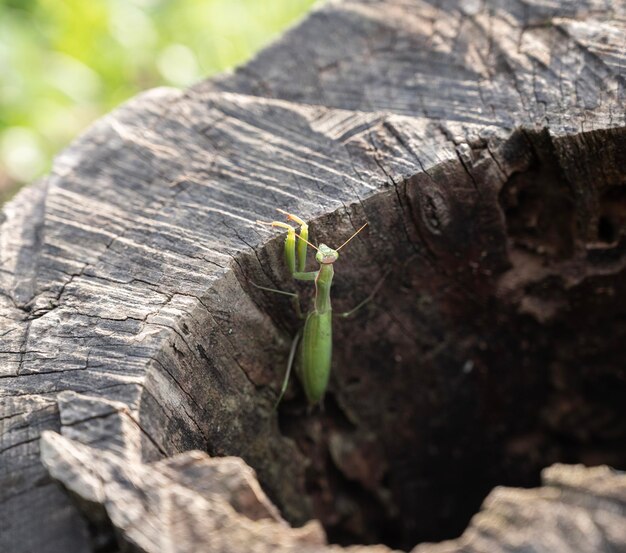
485,142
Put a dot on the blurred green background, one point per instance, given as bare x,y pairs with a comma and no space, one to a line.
63,63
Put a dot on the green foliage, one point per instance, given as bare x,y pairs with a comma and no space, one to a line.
63,63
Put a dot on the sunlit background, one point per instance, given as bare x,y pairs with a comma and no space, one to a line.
63,63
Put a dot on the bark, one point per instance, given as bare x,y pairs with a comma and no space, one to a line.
485,144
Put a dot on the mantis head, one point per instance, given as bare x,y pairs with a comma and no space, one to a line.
326,255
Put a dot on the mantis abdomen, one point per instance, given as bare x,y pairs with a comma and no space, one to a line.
316,355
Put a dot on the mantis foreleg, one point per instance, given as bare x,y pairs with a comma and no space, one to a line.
312,275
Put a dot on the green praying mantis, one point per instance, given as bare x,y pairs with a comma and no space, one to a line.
315,338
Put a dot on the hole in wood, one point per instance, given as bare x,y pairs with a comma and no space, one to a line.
606,230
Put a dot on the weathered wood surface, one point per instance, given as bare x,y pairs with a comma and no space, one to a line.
485,142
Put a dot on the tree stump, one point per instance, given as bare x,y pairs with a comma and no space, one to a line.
484,142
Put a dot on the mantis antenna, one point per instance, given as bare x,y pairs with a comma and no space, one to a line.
351,237
309,243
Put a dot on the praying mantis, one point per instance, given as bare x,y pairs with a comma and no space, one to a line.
315,338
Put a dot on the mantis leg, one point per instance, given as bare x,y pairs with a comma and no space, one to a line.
275,290
312,275
295,298
295,250
295,244
368,299
290,360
